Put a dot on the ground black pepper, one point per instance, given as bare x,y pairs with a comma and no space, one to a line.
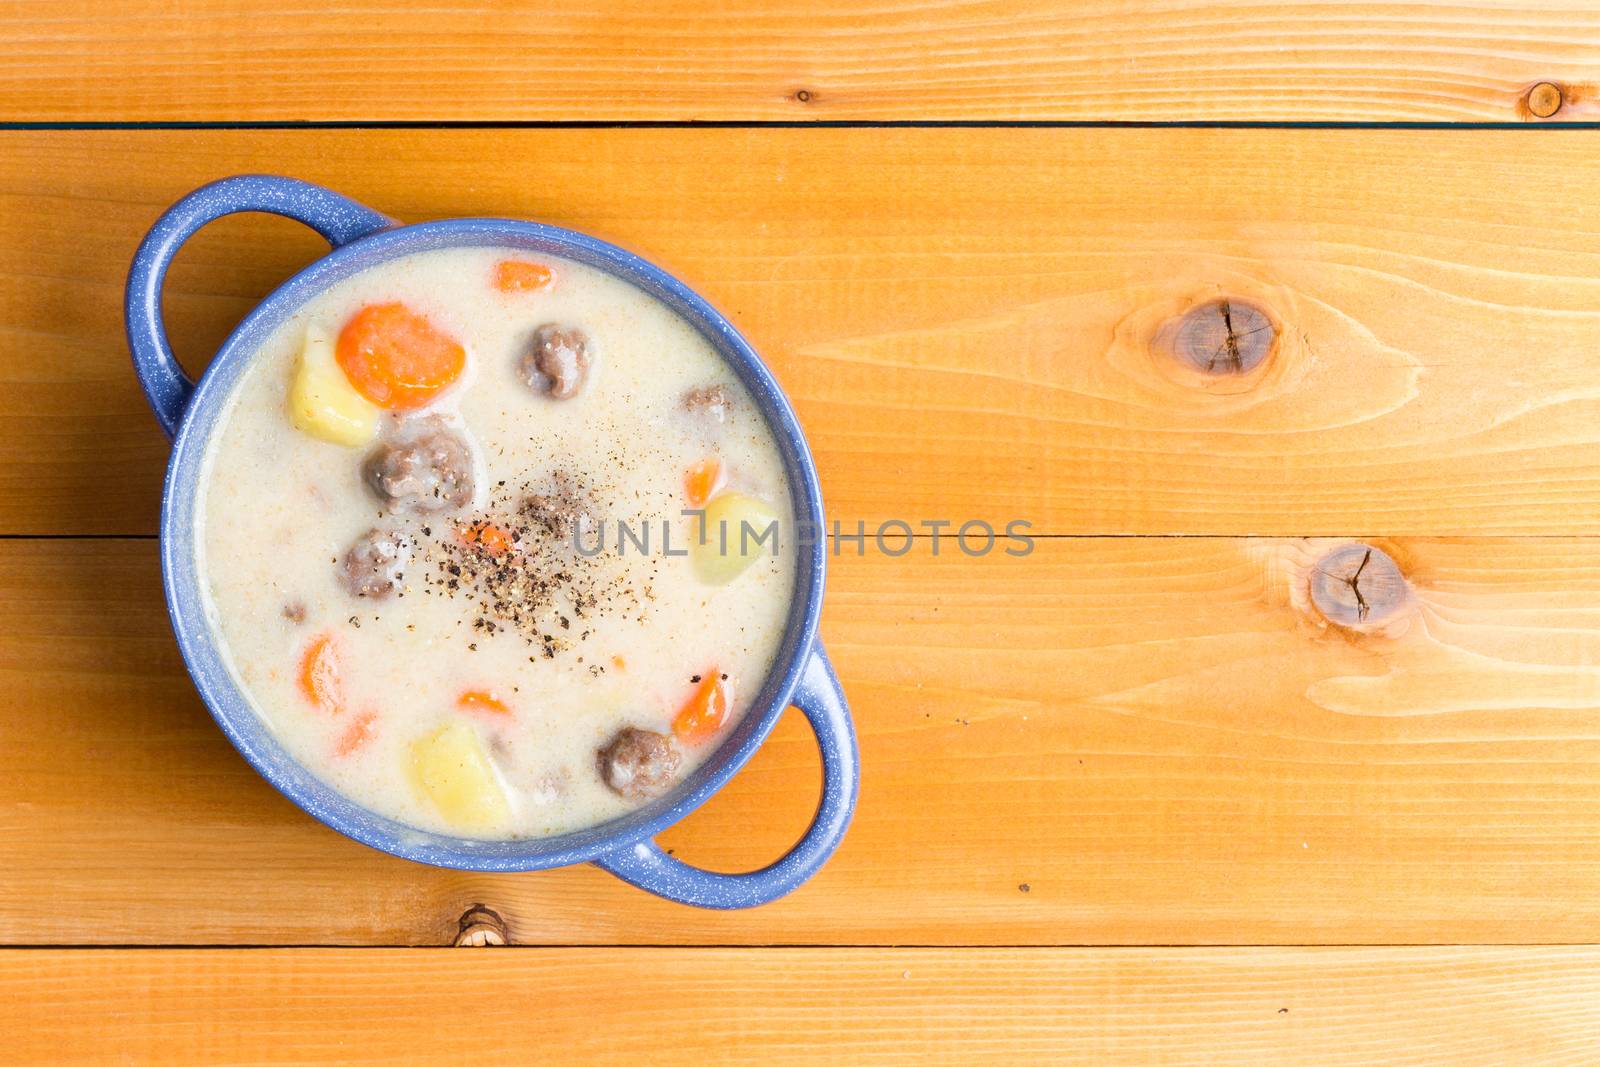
515,563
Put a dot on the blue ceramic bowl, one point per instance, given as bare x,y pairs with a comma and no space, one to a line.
191,415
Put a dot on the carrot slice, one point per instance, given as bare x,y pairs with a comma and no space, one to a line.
321,681
492,540
357,735
701,480
521,276
396,358
702,714
482,700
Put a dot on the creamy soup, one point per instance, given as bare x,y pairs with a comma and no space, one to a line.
443,542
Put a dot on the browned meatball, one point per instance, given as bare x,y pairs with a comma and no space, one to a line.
638,764
425,466
710,400
373,566
558,361
563,510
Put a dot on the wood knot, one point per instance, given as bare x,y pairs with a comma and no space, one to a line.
1357,586
1544,100
482,926
1224,337
803,95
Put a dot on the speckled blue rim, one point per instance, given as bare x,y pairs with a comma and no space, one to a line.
190,413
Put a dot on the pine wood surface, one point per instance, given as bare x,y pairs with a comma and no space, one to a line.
1109,741
1407,1007
712,60
971,323
1126,738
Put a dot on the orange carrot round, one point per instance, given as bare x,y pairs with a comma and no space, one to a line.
521,276
482,700
492,540
320,678
357,734
396,358
701,480
703,713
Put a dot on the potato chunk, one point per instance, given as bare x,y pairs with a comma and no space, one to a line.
738,530
452,768
322,402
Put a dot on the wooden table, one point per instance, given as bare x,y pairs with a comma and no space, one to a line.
1131,799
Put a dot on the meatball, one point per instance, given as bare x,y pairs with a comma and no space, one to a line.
638,764
710,400
563,510
558,361
424,467
372,567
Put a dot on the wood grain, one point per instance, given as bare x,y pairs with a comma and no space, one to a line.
972,323
1109,741
1406,1007
1108,60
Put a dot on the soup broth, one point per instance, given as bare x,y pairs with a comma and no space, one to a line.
444,542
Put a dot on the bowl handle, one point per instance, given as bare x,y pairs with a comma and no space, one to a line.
645,865
335,217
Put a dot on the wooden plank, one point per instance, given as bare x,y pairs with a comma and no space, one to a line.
1109,741
972,323
1144,1007
1113,60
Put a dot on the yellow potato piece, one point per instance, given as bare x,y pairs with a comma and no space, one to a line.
738,530
322,402
452,768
